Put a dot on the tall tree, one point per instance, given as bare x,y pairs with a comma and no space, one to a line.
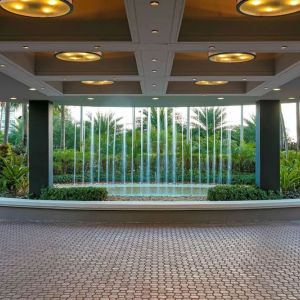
1,114
199,118
283,134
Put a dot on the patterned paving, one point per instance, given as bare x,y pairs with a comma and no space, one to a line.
59,261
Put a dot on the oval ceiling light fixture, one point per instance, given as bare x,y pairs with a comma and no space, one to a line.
79,56
210,82
154,3
231,57
38,8
268,8
97,82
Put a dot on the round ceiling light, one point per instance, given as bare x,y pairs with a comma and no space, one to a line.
268,8
209,82
231,57
97,82
38,8
79,56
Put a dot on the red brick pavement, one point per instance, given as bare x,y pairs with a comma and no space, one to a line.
63,261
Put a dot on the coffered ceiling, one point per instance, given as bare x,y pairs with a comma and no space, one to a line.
146,65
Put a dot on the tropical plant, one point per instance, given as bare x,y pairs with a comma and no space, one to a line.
290,171
205,118
249,130
244,157
74,193
240,192
14,175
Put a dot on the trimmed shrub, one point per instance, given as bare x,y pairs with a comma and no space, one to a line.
291,194
240,192
75,193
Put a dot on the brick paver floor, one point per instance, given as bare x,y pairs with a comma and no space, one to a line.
76,261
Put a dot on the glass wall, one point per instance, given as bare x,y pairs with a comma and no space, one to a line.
154,151
159,151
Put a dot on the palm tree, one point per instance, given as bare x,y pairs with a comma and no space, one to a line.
199,118
283,134
107,120
249,130
154,116
1,115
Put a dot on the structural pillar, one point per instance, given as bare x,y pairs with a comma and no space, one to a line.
40,146
268,144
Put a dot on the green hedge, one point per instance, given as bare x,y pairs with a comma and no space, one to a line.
240,192
291,194
75,193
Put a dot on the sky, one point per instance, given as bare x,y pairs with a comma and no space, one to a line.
233,114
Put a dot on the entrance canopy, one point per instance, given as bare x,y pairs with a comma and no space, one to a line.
153,52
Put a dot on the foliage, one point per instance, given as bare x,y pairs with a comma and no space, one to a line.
290,171
249,130
240,192
291,194
74,193
205,118
14,175
243,157
243,178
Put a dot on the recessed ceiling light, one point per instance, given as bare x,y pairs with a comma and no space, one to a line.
38,8
2,66
154,59
268,8
284,47
220,98
13,98
154,85
154,31
154,71
244,79
155,98
32,89
211,82
266,88
90,98
97,82
42,88
231,57
292,98
25,47
277,89
154,3
79,56
194,79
